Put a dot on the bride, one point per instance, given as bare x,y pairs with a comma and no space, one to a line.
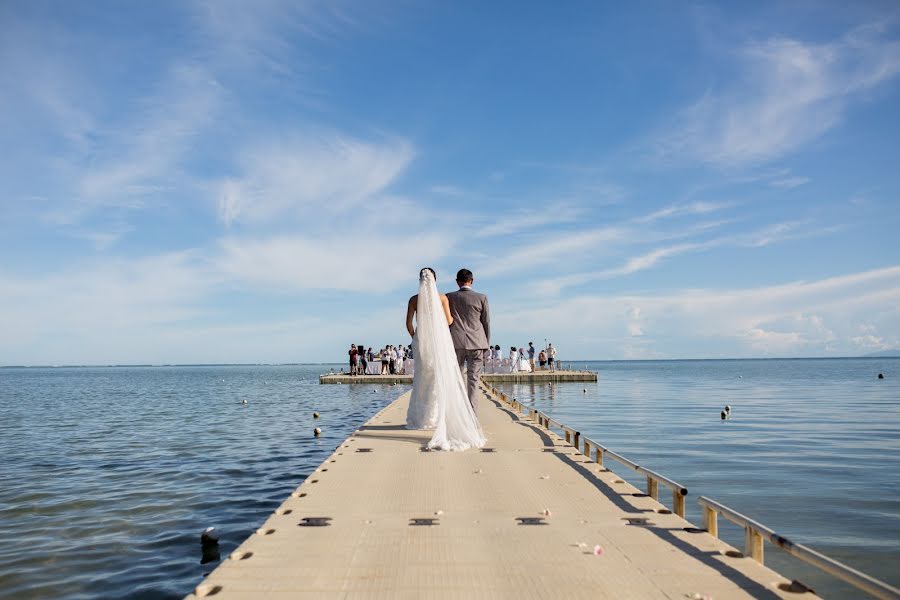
439,399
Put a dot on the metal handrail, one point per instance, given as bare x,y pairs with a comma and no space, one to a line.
573,436
756,533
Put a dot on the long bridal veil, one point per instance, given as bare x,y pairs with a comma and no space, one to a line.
437,380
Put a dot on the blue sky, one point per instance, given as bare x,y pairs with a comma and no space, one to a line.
223,181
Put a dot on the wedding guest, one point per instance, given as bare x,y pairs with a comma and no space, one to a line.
498,353
353,358
392,354
385,360
512,354
521,362
363,362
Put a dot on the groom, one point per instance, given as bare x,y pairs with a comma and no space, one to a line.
471,329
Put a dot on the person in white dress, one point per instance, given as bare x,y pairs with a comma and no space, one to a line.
522,362
439,399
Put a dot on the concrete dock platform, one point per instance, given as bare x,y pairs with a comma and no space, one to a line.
537,377
380,518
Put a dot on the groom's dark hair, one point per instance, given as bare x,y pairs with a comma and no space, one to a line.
464,276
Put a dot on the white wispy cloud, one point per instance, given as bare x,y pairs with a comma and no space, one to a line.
765,236
324,173
678,210
569,245
800,318
789,94
360,262
529,220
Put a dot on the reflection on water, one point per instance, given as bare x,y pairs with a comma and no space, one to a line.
811,449
110,474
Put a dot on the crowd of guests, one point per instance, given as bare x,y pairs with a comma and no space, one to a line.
393,358
523,359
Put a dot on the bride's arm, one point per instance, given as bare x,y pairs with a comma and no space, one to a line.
446,304
410,311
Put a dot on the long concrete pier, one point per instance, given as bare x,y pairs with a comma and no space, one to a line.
537,377
527,517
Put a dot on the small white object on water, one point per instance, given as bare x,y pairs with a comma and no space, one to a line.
244,401
317,432
373,391
584,391
315,415
209,537
728,408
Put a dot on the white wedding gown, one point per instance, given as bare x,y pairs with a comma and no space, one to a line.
439,399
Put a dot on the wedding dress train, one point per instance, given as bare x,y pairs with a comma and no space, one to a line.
439,397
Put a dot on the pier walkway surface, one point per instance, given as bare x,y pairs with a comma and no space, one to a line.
380,518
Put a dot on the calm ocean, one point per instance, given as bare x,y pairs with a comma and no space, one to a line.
110,474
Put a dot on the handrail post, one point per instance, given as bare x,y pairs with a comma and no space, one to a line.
652,488
753,544
600,457
587,448
712,521
568,439
678,503
577,440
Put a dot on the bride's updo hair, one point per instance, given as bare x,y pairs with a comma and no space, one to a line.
422,272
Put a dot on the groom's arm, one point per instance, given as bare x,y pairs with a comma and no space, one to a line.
486,320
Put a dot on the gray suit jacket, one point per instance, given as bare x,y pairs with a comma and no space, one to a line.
471,329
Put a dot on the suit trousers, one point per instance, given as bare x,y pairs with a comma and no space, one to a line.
471,360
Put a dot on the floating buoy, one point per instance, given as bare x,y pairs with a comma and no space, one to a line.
728,408
315,415
881,376
584,391
724,415
209,537
317,432
373,391
244,401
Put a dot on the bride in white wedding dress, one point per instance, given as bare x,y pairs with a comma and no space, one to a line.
439,399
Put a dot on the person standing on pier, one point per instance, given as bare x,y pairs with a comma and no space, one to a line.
439,399
470,330
551,356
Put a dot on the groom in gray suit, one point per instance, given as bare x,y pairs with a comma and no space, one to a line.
471,329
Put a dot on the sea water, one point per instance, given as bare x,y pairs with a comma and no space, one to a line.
108,475
811,449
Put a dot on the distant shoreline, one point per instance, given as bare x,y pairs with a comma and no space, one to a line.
330,364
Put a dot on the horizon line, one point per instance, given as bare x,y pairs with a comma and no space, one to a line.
311,364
